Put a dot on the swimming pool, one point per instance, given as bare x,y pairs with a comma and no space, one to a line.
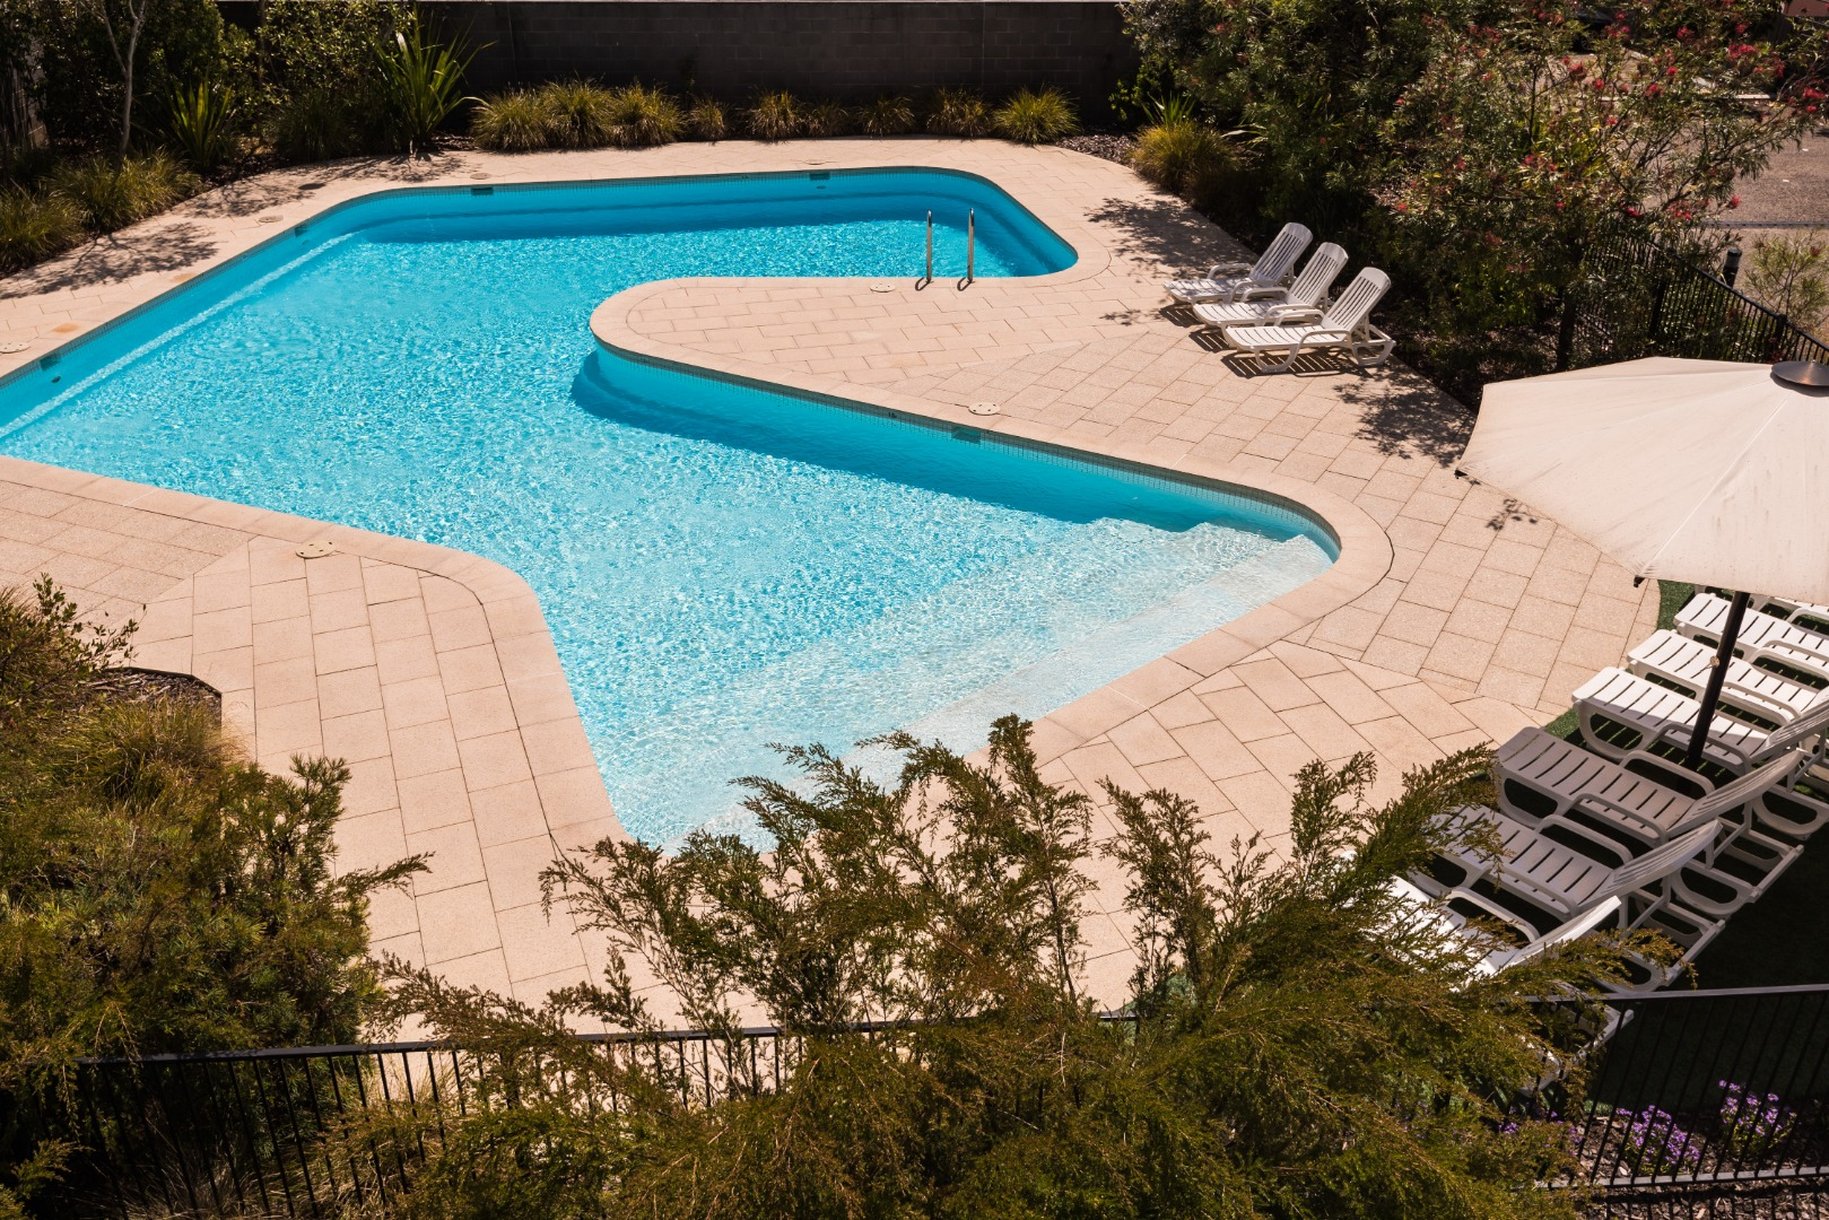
721,565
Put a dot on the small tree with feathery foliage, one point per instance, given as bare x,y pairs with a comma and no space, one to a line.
1302,1044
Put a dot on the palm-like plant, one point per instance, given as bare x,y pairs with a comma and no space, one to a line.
424,82
205,125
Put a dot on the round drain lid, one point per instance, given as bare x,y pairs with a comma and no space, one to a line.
882,288
983,408
268,220
317,550
13,345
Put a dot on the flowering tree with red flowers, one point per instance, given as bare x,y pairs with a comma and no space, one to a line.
1477,149
1525,144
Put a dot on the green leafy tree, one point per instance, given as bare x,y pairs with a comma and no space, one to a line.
1302,1043
1478,149
1528,144
158,892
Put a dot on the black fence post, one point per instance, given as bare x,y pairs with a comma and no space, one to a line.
1730,266
1565,330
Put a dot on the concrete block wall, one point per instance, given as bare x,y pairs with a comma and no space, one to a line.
851,50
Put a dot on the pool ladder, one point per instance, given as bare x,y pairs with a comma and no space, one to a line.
971,248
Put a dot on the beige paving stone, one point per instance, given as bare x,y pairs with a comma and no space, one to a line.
457,922
435,799
456,857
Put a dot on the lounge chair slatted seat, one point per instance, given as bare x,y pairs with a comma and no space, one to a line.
1762,636
1680,661
1657,714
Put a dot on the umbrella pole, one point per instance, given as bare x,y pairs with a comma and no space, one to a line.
1705,715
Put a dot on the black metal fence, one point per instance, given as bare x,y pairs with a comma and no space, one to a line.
1676,308
1694,1103
1703,1103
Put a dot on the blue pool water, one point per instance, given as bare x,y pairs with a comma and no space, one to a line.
721,566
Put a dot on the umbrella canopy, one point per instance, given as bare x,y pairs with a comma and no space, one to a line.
1688,470
1702,471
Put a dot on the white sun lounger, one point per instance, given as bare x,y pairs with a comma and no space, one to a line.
1656,715
1747,689
1575,892
1448,920
1225,281
1346,326
1301,301
1621,811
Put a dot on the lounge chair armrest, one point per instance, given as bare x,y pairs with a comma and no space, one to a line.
1600,843
1293,313
1575,928
1253,292
1219,269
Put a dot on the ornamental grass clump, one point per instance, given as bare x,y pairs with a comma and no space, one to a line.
35,225
512,122
826,118
578,114
889,115
774,116
1037,117
706,120
958,112
642,117
110,195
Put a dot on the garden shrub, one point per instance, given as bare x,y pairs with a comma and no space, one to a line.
958,112
163,894
825,118
1037,117
34,225
1304,1045
511,122
1789,273
706,120
774,116
110,196
889,115
318,90
641,117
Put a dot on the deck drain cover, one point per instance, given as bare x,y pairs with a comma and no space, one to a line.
882,288
479,175
317,550
268,220
13,345
983,408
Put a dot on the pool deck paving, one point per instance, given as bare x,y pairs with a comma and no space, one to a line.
1452,618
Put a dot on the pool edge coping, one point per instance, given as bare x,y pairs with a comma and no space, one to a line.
1365,551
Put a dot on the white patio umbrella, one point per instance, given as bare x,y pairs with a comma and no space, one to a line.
1703,471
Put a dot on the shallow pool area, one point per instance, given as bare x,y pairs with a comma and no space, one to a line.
721,566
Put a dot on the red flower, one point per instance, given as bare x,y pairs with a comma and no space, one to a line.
1734,202
1653,89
